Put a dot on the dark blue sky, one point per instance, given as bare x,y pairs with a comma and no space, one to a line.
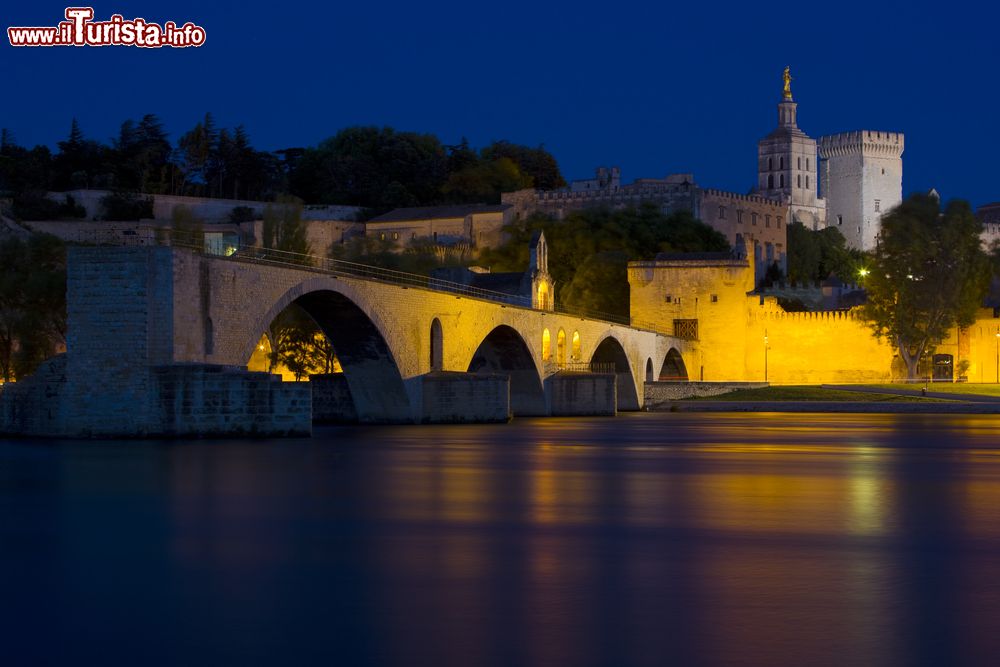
655,88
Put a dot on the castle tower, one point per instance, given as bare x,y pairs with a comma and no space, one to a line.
786,165
862,178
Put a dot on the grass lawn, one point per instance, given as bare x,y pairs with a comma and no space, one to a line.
947,388
808,393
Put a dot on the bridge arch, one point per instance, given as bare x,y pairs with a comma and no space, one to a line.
673,368
649,370
610,351
370,368
503,351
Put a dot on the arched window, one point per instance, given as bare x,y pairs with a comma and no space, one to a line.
782,177
543,296
546,345
561,348
770,164
799,180
770,181
799,162
576,356
781,162
807,181
437,345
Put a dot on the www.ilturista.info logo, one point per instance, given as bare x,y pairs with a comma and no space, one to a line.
79,29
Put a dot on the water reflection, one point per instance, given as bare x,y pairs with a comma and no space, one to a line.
648,539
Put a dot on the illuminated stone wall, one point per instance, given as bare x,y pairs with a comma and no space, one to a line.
735,327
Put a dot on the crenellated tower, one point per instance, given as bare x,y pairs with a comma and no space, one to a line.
862,179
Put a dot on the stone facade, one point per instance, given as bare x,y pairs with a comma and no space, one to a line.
659,394
742,336
669,194
756,219
786,168
454,398
862,179
117,378
989,216
475,226
574,394
209,209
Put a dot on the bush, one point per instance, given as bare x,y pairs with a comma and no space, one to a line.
241,214
35,205
126,206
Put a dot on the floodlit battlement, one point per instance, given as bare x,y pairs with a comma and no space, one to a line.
863,142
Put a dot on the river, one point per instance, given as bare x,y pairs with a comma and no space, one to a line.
647,539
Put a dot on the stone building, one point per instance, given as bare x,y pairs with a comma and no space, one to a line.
862,178
786,167
746,336
475,225
989,216
860,175
755,219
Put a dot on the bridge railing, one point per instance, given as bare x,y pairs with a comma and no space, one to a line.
339,267
605,367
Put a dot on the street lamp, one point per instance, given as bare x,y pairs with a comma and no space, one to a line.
998,355
765,352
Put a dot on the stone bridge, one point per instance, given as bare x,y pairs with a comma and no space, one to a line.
139,315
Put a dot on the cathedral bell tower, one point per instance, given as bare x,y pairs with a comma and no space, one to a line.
786,164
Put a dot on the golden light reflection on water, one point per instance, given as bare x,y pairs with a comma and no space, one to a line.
733,539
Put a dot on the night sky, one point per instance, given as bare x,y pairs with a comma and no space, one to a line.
655,88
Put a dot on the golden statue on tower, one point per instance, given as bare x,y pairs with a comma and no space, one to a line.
788,84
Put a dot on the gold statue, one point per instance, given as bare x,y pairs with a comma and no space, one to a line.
788,85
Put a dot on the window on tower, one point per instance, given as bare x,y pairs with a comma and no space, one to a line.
782,180
770,181
807,181
799,162
807,165
781,162
778,220
753,219
798,181
770,164
878,205
722,213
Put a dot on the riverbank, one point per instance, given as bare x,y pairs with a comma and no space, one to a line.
837,399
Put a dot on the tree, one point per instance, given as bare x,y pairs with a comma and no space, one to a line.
142,156
32,303
298,344
928,274
814,255
597,244
537,164
283,229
